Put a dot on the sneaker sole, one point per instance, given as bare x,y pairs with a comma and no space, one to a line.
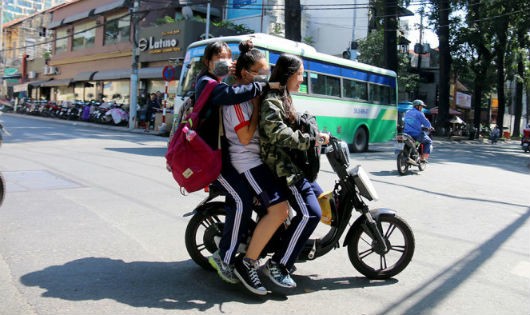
266,272
221,275
250,288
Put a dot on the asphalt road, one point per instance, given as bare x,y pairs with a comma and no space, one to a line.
92,224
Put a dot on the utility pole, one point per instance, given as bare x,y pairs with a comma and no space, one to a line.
207,21
133,95
390,36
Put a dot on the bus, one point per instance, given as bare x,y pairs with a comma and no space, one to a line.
353,101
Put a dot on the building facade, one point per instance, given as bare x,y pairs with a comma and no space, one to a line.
14,9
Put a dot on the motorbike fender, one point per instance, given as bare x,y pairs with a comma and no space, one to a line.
375,213
205,208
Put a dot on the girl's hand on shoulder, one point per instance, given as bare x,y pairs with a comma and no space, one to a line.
232,68
323,138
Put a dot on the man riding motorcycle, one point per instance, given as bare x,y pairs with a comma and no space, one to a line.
415,123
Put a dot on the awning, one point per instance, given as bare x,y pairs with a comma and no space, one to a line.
111,6
14,76
20,87
434,111
155,72
36,83
64,82
77,17
112,74
84,76
56,23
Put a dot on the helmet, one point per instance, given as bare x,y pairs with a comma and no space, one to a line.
417,103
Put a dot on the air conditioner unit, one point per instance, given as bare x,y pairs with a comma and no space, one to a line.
32,75
53,70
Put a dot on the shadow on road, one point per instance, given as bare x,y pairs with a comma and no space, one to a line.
165,285
141,151
441,285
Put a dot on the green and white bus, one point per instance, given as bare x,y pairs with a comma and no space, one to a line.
354,101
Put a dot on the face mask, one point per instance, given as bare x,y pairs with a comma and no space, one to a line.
221,68
261,78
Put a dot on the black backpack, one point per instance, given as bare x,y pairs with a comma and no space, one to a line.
308,161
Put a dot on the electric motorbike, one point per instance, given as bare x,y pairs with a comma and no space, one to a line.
409,152
380,243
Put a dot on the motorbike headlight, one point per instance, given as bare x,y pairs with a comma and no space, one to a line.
363,183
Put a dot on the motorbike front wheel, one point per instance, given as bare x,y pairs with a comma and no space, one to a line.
201,233
400,248
402,163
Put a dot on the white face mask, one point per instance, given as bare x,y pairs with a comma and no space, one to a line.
221,67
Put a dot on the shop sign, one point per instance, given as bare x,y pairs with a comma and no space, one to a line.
155,45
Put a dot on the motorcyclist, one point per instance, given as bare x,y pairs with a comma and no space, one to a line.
415,122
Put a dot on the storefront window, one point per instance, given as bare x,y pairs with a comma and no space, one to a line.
64,93
117,29
84,35
60,41
85,91
116,90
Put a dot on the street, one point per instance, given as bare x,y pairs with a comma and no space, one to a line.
92,223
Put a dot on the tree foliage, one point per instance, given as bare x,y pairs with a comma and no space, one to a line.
370,50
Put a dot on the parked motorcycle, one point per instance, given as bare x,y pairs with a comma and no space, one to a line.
409,152
380,243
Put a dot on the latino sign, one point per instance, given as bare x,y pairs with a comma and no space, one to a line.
161,43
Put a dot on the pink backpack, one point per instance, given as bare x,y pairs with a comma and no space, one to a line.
194,164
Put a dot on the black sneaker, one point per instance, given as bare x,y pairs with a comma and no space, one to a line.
247,271
279,274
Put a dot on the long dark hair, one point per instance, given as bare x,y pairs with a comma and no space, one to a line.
248,56
285,67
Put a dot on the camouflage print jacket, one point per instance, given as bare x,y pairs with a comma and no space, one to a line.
278,136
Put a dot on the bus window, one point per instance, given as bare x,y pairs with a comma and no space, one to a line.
356,90
325,84
303,85
382,94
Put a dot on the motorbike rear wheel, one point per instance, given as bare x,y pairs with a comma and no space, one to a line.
402,163
400,248
201,232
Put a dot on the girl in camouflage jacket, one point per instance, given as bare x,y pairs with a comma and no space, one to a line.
279,134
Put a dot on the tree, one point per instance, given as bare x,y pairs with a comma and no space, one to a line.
370,53
293,20
473,53
390,35
445,64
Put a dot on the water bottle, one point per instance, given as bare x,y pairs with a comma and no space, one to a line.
190,134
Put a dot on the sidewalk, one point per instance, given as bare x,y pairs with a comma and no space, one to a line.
91,124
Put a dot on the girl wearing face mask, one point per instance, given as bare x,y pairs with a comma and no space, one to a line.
241,122
217,60
278,135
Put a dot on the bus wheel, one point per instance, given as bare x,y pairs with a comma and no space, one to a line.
360,140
